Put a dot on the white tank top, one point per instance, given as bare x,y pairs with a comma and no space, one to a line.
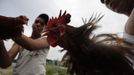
31,62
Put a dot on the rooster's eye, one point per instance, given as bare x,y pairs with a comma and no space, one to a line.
56,24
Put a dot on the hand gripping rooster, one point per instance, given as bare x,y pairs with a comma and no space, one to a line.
88,54
11,26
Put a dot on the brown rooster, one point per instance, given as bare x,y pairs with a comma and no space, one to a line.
88,54
121,6
11,26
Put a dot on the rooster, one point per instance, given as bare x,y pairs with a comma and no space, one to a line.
11,26
123,6
88,54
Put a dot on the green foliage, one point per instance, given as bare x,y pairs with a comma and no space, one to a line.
50,70
55,70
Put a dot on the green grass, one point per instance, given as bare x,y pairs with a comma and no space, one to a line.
55,70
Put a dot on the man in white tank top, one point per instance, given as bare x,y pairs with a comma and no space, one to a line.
32,50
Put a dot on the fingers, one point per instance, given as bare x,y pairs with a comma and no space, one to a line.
45,33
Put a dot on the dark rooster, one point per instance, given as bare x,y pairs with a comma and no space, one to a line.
123,6
11,26
88,54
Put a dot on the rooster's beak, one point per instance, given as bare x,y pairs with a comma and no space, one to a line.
25,19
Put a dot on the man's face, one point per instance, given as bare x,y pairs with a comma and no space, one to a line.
38,25
120,6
